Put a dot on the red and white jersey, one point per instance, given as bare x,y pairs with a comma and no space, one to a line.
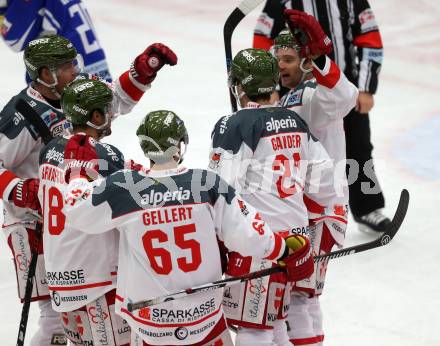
79,267
20,142
323,102
269,155
170,223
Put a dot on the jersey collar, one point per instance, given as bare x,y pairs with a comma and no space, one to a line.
167,172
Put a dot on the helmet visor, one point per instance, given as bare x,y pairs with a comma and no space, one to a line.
75,65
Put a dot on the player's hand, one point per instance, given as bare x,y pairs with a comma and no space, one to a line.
146,64
81,158
318,43
365,102
25,194
299,263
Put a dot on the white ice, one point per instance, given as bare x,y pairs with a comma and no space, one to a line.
385,297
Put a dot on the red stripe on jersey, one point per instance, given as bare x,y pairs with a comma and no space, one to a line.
5,179
119,298
129,87
262,42
369,40
307,341
171,325
313,206
331,78
113,273
330,217
79,287
279,240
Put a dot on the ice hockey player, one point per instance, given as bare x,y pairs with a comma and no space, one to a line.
358,51
169,221
322,95
50,63
269,155
81,283
66,18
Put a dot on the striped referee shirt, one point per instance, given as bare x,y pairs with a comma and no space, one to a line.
351,25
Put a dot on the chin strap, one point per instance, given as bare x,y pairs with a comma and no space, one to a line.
51,86
304,70
236,95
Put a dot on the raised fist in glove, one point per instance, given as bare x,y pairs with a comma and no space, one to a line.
81,158
317,42
25,194
299,263
146,64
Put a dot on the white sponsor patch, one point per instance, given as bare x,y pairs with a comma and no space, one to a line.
372,54
276,125
154,198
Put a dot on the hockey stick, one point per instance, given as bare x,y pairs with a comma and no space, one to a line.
34,118
28,289
382,240
243,9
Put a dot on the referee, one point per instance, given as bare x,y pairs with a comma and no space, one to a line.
357,50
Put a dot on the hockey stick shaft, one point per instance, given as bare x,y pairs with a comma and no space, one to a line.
384,239
28,290
236,16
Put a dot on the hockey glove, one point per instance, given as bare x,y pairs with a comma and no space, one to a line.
25,194
299,265
317,42
81,158
145,66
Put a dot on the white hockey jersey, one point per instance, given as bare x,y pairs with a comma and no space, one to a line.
79,267
323,102
169,222
269,155
20,142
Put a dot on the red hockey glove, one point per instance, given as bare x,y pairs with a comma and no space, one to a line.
81,158
318,43
146,65
299,265
25,194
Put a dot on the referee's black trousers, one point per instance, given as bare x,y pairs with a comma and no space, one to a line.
365,194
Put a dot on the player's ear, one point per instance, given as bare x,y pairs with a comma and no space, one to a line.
97,118
45,75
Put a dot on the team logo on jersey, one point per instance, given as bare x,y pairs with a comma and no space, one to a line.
214,163
145,313
340,210
294,99
56,298
181,333
57,130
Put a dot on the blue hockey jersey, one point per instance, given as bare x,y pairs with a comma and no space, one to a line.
25,20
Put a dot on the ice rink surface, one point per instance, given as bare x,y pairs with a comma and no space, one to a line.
385,297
